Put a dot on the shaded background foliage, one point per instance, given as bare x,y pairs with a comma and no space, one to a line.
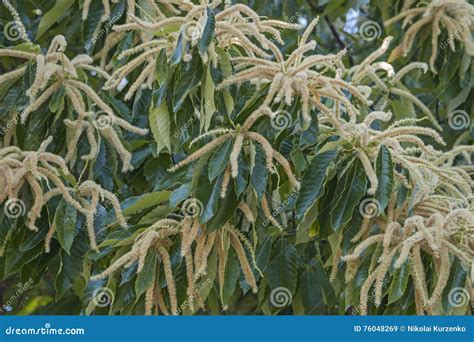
58,281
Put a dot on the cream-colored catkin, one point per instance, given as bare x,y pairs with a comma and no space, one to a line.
190,291
114,266
364,292
165,258
246,211
287,168
268,214
407,246
363,230
202,151
149,296
222,260
160,301
210,243
443,277
363,246
418,304
225,182
112,137
383,268
234,155
417,270
371,175
199,250
336,257
267,148
244,263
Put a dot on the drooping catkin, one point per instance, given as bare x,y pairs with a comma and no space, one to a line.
363,246
234,155
165,258
364,292
246,211
202,151
188,257
244,263
160,301
371,175
443,277
225,182
149,296
417,271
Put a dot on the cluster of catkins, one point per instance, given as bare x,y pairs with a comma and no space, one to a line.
44,172
158,238
456,17
437,220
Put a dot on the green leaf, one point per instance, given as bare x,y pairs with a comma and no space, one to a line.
29,75
220,159
209,101
311,293
189,77
399,283
53,15
160,127
384,170
282,270
135,204
69,265
65,223
208,32
352,191
147,274
313,181
232,272
178,52
57,100
259,172
142,102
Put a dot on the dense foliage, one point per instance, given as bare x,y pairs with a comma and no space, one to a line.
222,157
